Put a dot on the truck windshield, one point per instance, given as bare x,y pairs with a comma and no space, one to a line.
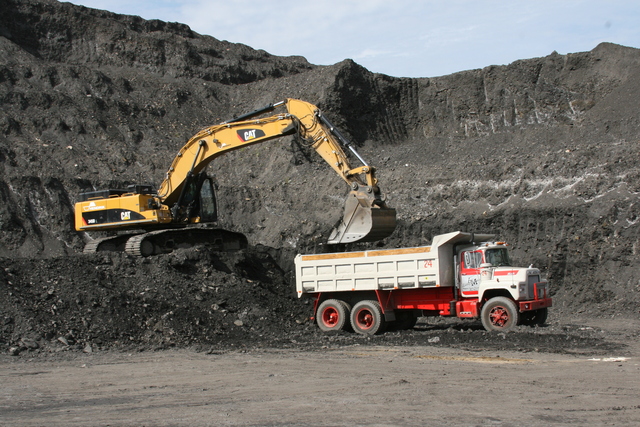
497,257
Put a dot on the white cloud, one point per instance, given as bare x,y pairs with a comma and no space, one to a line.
371,53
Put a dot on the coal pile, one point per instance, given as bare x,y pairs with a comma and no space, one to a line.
542,152
191,297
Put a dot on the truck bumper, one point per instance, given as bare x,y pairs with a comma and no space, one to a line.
534,304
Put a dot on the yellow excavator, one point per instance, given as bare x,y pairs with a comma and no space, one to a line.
177,214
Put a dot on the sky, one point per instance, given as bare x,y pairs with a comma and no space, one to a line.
402,38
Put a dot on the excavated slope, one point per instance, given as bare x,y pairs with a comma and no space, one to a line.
542,152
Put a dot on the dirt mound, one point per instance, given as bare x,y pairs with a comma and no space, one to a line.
542,151
187,298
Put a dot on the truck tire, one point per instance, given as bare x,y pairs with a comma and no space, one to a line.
534,318
367,318
499,314
405,319
333,315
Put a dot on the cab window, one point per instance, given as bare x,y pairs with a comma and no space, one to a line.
498,257
472,259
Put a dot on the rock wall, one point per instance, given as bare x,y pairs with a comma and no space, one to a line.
543,152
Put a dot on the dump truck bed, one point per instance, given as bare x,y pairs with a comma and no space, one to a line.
367,270
416,267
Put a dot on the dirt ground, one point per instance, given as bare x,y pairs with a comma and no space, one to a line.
357,384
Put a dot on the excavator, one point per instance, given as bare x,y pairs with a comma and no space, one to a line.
178,214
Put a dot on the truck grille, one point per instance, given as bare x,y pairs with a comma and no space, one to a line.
531,280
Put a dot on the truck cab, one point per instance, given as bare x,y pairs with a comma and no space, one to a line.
485,272
486,268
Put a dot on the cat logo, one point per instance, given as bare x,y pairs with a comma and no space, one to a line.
248,134
125,216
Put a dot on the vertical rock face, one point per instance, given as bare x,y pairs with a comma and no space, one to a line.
543,151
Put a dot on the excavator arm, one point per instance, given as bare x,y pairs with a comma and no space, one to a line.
366,216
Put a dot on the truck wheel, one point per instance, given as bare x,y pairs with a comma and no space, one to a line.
534,318
499,314
333,315
405,319
367,318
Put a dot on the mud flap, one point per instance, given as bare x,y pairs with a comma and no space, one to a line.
362,221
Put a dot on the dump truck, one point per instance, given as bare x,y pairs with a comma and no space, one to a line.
461,274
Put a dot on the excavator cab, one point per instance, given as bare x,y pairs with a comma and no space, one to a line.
197,202
208,206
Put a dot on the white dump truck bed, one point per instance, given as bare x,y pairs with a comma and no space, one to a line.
418,267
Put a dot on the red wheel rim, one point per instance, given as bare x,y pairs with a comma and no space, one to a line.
330,317
499,316
365,319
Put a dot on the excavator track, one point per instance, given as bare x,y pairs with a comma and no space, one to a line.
107,244
165,241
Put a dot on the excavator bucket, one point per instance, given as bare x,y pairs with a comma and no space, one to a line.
363,221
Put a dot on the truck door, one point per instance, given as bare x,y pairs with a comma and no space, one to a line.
470,272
